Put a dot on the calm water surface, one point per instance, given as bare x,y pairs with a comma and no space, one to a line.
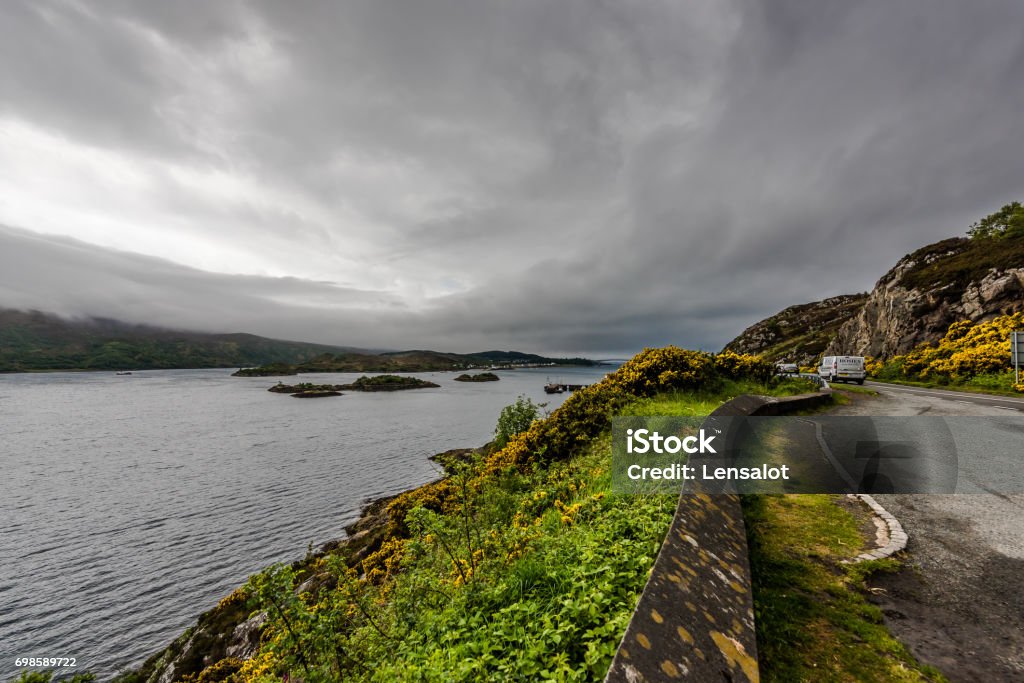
130,504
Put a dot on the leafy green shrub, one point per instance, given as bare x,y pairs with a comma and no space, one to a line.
514,419
532,576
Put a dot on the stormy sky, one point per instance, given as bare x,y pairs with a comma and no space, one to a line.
565,176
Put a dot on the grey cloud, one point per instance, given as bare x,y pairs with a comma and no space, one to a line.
79,278
581,176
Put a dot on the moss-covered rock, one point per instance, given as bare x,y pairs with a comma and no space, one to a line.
480,377
388,383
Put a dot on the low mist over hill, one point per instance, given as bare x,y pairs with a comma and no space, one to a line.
32,340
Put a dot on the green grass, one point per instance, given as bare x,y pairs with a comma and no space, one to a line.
955,263
529,576
700,403
854,389
1000,384
537,581
813,620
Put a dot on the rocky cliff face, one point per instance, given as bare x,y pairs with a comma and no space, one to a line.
928,290
915,302
799,333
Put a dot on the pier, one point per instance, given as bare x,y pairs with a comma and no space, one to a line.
556,388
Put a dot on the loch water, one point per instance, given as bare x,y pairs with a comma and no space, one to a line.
129,504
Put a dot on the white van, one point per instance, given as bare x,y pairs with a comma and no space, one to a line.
842,369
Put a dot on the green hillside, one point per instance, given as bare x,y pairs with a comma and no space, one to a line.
410,361
799,333
952,265
32,341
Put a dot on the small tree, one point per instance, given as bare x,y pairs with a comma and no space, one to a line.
514,419
1006,222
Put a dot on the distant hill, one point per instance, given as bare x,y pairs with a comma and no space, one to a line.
800,333
411,361
32,340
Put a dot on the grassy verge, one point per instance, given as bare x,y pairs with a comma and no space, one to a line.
999,385
813,620
854,389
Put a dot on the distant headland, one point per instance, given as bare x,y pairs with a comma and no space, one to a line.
414,361
37,341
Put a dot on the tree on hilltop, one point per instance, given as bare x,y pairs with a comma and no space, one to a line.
1006,222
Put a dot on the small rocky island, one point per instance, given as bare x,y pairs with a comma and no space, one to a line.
388,383
364,383
481,377
307,389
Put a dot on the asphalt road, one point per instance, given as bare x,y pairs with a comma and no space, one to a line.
961,607
961,397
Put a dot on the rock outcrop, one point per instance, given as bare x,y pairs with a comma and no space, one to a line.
800,333
915,302
930,289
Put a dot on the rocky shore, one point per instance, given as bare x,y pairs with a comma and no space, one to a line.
228,630
377,383
307,390
388,383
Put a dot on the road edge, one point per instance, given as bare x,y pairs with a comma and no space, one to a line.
891,538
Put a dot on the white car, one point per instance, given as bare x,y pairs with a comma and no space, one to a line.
842,369
787,369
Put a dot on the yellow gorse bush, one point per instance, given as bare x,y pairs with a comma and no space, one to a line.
259,668
968,349
743,366
586,413
871,366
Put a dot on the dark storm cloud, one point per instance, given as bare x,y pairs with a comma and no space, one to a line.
591,176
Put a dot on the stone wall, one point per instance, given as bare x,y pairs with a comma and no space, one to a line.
695,617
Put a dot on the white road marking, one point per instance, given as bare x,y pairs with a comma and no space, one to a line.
942,393
827,452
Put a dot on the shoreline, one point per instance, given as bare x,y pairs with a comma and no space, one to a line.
41,371
227,630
